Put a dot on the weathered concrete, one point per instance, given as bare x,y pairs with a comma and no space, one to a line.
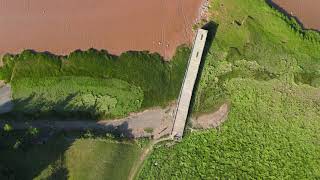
188,84
6,103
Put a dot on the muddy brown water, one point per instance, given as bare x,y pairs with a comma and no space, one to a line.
307,11
62,26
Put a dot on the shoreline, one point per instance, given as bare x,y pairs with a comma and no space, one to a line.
282,10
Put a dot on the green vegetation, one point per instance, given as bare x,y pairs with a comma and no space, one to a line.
260,61
257,42
76,96
158,80
65,155
148,130
270,133
95,159
7,128
267,67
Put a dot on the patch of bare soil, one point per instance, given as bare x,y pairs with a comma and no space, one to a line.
154,123
212,120
307,11
61,26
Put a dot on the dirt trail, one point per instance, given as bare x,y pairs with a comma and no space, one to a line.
145,153
137,165
307,11
60,26
134,126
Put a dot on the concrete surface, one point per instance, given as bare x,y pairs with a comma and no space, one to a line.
188,84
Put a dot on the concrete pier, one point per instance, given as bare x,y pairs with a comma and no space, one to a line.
188,84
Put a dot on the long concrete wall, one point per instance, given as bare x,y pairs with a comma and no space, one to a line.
188,84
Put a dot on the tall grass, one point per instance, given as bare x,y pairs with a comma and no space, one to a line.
76,96
159,80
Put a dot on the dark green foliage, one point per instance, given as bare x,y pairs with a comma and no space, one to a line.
65,155
159,80
76,96
6,70
33,64
312,36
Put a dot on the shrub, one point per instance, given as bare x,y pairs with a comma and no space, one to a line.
159,80
69,96
7,128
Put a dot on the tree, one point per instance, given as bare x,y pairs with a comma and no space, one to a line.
7,128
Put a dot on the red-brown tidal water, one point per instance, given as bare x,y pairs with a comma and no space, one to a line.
307,11
62,26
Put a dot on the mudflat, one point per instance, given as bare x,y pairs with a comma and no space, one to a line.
307,11
62,26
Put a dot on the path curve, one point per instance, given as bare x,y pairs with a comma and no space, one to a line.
145,153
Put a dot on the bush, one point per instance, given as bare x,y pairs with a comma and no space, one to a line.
7,128
159,80
69,95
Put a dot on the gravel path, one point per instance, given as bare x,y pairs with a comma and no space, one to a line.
150,123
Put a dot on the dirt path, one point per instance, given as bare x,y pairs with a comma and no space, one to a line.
145,153
137,165
150,123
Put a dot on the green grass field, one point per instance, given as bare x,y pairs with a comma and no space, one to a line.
267,67
70,96
66,156
94,159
